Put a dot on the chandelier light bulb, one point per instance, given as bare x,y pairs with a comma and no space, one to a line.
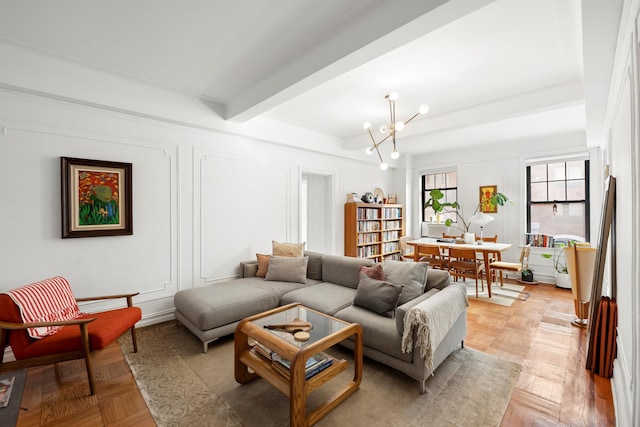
384,166
399,126
424,109
395,154
366,125
383,129
393,96
369,150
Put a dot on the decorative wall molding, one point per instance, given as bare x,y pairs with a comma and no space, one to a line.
247,215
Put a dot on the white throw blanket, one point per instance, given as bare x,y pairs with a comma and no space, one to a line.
432,319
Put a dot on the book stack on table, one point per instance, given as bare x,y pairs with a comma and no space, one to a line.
315,364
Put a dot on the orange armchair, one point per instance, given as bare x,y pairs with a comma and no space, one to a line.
78,338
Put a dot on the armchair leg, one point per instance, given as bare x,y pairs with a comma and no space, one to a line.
135,340
84,334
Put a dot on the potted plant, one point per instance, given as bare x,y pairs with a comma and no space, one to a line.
560,264
438,206
527,274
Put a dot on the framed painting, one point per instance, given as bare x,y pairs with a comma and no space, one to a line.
486,192
96,198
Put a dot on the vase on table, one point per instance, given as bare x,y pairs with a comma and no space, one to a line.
469,238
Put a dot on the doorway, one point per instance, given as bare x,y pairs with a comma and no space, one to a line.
316,211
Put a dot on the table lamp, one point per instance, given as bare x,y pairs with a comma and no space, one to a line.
481,219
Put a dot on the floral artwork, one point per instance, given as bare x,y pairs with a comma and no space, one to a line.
486,192
96,198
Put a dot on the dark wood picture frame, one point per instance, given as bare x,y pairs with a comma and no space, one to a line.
96,198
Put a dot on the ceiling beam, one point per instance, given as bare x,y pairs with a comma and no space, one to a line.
349,43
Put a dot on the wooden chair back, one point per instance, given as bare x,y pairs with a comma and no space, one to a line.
489,239
432,255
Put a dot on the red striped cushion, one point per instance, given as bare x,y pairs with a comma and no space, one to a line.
46,301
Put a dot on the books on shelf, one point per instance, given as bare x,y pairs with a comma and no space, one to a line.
6,386
539,240
315,364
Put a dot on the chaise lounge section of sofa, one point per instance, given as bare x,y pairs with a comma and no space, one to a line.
330,286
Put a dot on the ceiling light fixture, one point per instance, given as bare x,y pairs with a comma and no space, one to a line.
391,129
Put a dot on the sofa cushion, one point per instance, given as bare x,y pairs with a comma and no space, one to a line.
375,271
378,332
314,268
287,249
437,279
226,302
411,275
377,295
286,269
342,270
325,297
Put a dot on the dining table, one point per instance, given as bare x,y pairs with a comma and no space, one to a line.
485,248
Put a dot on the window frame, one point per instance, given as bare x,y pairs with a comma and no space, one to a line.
586,200
424,191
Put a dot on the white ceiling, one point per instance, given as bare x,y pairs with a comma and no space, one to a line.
489,70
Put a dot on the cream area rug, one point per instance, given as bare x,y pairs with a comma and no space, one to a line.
502,295
184,387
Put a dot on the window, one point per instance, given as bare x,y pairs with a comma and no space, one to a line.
447,182
558,198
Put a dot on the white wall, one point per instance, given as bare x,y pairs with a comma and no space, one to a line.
203,199
504,165
623,155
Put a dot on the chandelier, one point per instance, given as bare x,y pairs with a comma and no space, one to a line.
390,130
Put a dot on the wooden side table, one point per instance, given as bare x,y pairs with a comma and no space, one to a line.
327,331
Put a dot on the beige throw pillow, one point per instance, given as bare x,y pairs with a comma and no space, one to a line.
284,249
285,269
263,264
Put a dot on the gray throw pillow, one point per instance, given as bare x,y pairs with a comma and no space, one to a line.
287,269
411,275
377,295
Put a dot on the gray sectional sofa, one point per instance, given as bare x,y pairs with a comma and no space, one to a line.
330,286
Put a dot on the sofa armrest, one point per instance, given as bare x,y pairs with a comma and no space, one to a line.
248,268
401,310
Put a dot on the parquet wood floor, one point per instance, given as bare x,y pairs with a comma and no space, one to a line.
552,389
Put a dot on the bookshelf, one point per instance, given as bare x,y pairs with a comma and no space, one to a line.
373,230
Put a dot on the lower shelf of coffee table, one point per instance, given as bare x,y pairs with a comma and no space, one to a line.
262,366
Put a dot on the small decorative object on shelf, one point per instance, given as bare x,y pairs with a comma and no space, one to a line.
368,198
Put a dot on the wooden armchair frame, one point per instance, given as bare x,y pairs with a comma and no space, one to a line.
84,353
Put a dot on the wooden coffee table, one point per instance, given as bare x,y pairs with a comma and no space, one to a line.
326,332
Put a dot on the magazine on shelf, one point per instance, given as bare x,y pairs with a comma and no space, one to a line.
315,364
5,391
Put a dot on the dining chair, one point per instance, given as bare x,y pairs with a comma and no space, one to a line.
493,256
406,252
464,263
432,255
512,267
